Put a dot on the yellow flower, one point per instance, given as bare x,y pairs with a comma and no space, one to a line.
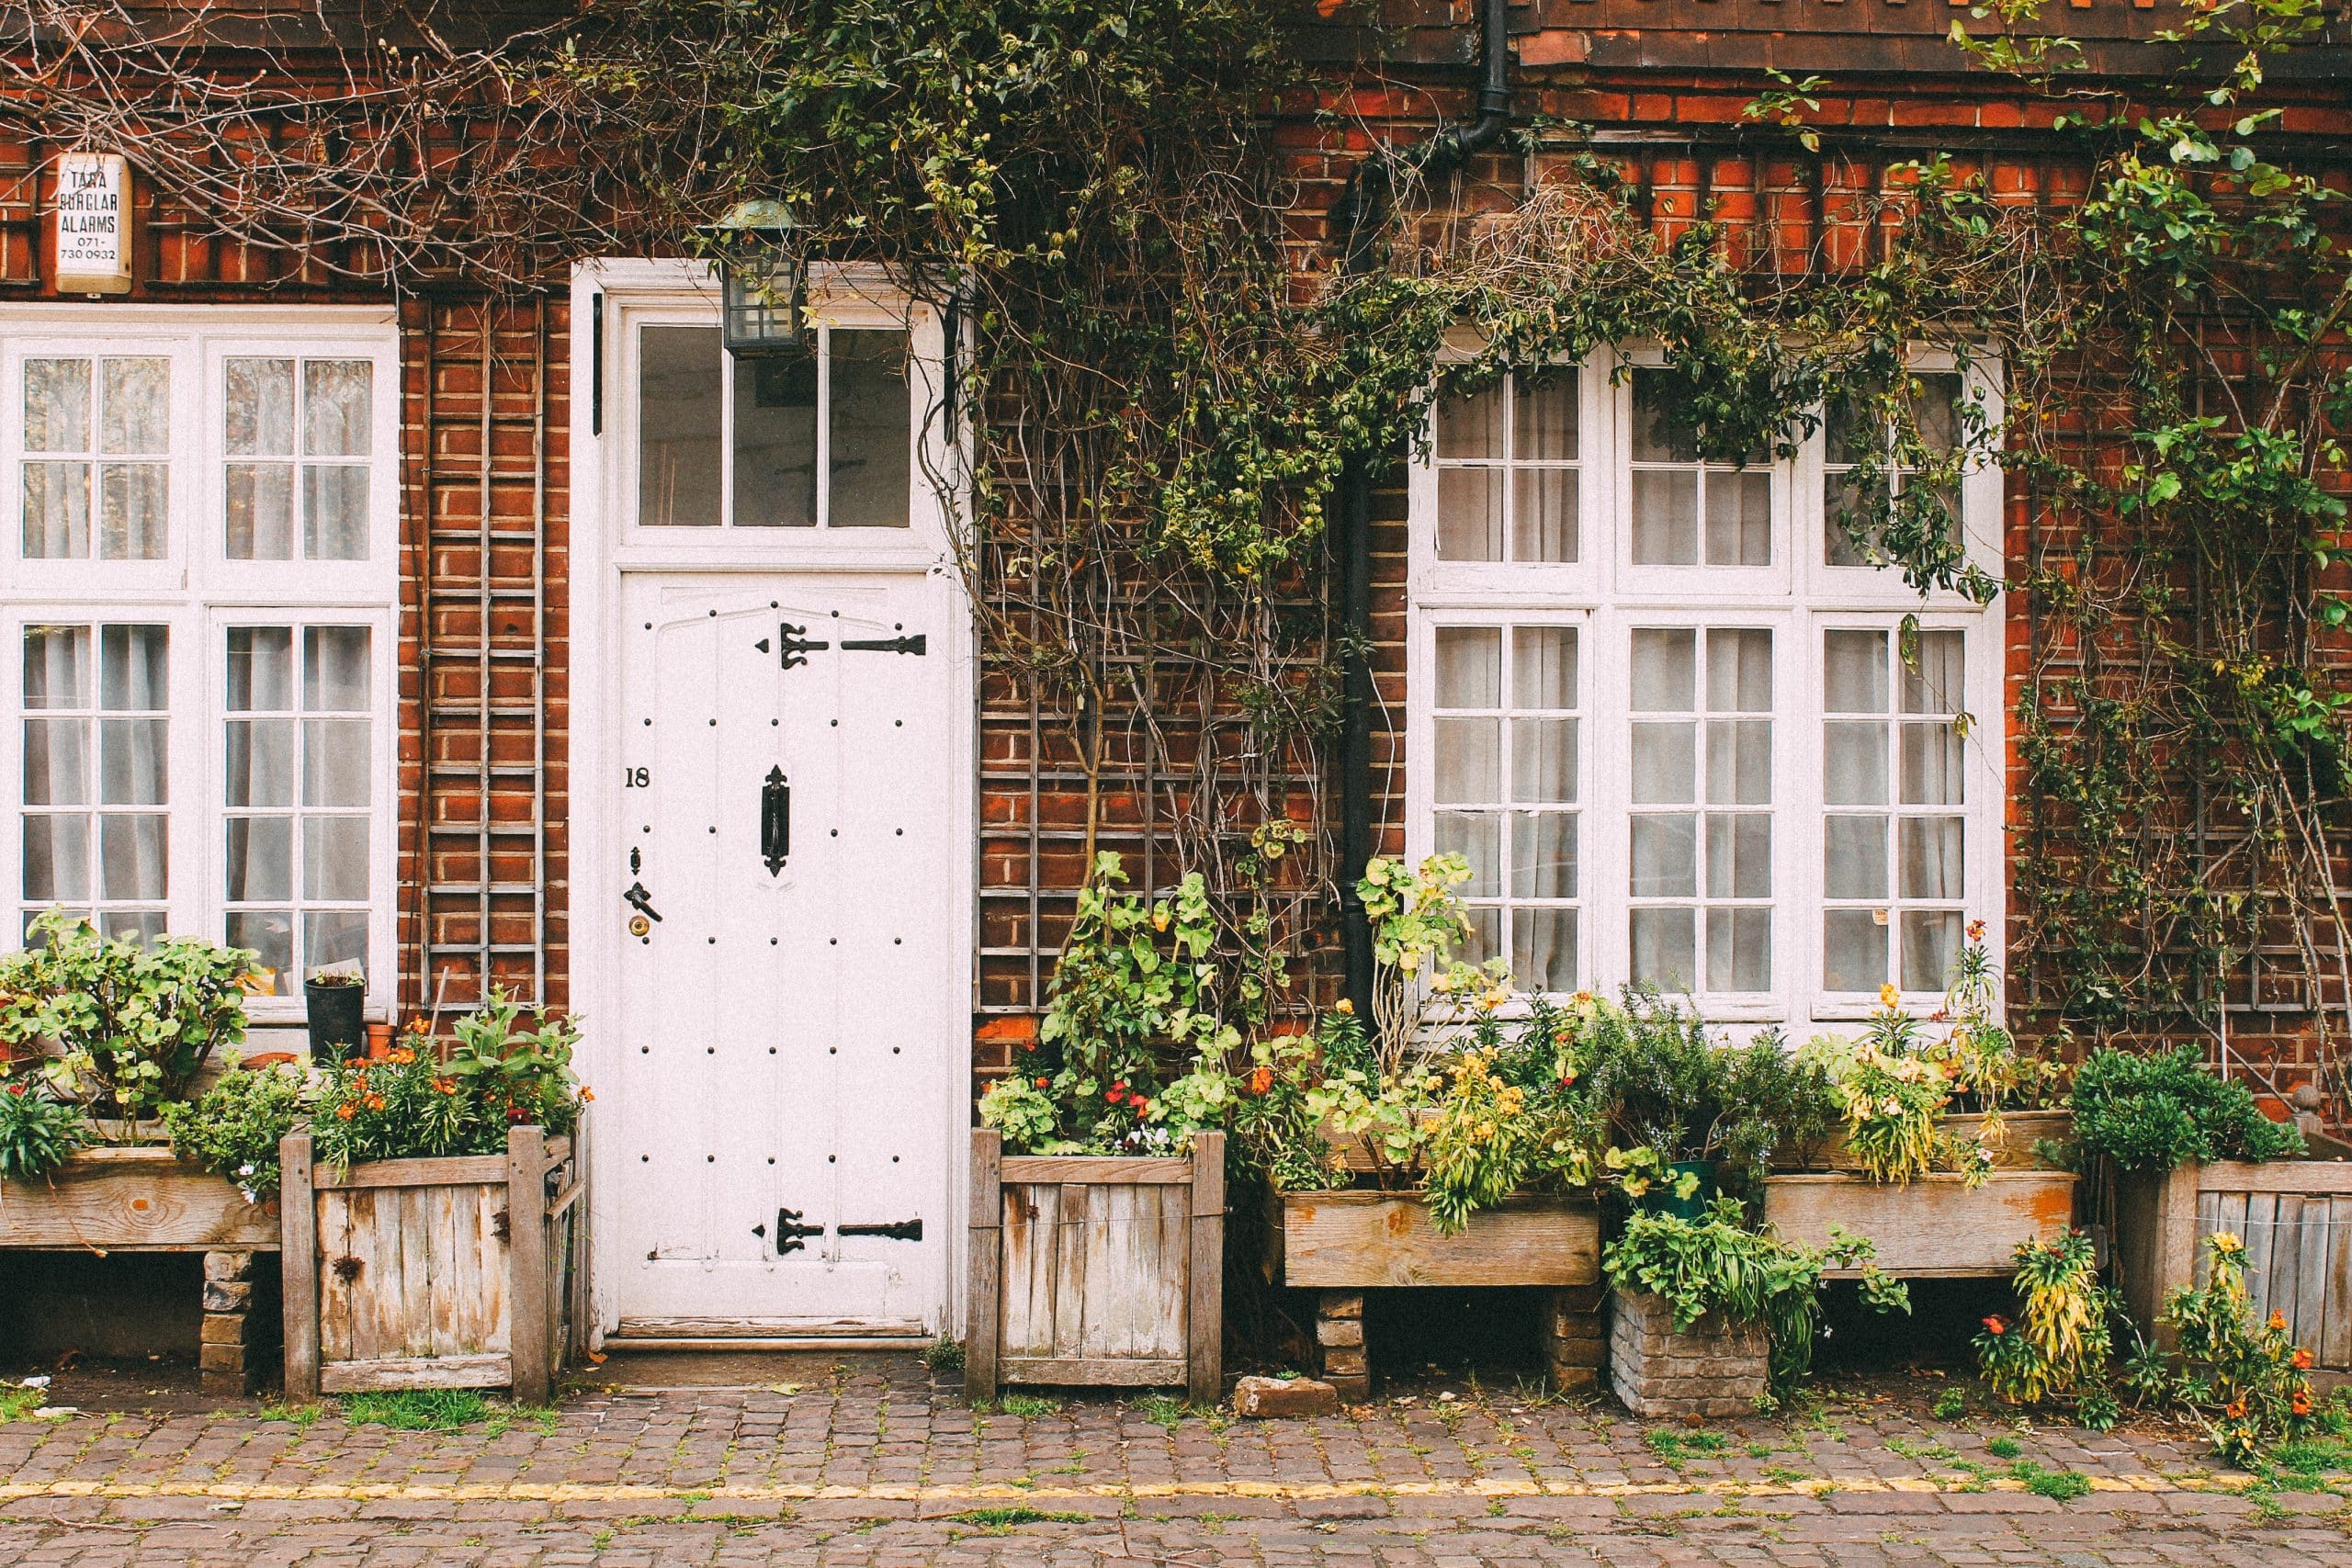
1344,1005
1887,997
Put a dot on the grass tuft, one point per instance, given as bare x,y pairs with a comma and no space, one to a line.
2058,1485
421,1409
999,1521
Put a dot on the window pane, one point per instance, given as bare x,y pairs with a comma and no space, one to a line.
1469,514
131,769
1854,861
1935,408
1739,761
259,414
1544,415
1543,854
261,859
1665,669
1930,948
1739,950
1665,764
1544,668
134,507
335,762
334,510
1469,667
1934,764
1932,861
142,926
1666,517
261,511
1485,940
335,858
1854,671
338,406
1740,671
1469,760
1664,948
1853,765
1846,432
1843,510
678,414
56,511
261,669
1543,759
1935,678
873,430
1853,950
1470,426
334,938
1740,855
57,405
1543,514
1543,949
57,667
270,934
57,761
334,669
776,442
1658,438
131,857
134,669
1739,518
57,860
259,767
1666,856
1477,836
136,411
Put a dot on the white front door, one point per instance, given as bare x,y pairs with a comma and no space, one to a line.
788,748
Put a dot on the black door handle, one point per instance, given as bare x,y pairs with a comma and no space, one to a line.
637,895
775,821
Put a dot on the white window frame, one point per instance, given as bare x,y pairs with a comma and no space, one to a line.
1797,598
197,592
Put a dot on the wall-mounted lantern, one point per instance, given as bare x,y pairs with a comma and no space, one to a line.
764,279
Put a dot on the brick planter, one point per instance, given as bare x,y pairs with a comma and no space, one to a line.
1712,1368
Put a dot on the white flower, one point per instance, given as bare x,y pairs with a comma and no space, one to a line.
245,1169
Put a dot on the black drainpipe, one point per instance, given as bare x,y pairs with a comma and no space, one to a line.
1357,219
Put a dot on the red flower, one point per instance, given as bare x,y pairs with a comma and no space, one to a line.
1114,1097
1996,1324
15,1088
1977,931
1041,1083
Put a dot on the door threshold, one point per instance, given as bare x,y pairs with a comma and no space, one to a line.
910,1342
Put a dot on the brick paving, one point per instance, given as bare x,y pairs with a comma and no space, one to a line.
869,1464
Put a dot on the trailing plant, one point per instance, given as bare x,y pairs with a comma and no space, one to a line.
2158,1111
2247,1381
1717,1264
38,1131
232,1129
2057,1346
127,1025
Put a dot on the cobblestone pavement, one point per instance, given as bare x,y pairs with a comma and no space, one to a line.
868,1464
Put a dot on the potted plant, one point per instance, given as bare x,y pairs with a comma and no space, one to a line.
2191,1155
335,1001
1712,1317
433,1228
1939,1157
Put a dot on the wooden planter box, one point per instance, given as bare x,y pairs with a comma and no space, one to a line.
466,1273
1096,1270
144,1199
1934,1227
2295,1217
1346,1242
2020,1131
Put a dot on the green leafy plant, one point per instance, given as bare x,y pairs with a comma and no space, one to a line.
517,1064
420,1409
2245,1379
413,1104
38,1131
127,1025
2161,1110
233,1128
1716,1264
2058,1345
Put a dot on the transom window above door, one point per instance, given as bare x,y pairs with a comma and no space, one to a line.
1682,731
822,440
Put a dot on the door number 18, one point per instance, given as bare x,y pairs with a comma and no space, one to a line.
636,778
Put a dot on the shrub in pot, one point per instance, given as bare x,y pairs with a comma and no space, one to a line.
334,1002
2164,1110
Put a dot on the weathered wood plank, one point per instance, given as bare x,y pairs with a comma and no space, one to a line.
2258,1232
2334,1351
450,1171
1204,1274
2013,1149
2305,1175
527,1243
1110,1372
1360,1240
135,1200
984,1265
1069,1241
421,1371
298,1265
1032,1222
1108,1170
442,1299
1935,1227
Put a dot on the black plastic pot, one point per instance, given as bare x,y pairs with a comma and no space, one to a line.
338,1021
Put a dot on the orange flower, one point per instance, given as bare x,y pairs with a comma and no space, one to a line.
587,1095
2302,1401
345,1112
2278,1320
1998,1323
375,1103
401,1058
1260,1080
2235,1409
2302,1359
1977,931
444,1086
